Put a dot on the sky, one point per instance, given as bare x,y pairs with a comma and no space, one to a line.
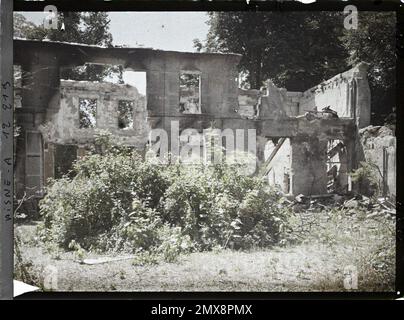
159,30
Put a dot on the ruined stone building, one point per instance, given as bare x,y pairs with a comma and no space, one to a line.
301,151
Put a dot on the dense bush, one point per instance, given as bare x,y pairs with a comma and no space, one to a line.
119,202
366,179
217,205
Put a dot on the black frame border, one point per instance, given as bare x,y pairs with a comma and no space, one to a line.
240,5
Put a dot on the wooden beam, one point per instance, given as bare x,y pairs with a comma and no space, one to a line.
6,149
267,165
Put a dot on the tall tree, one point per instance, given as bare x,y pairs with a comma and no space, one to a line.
26,29
375,42
295,49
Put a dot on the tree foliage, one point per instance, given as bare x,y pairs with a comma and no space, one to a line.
298,50
375,42
295,49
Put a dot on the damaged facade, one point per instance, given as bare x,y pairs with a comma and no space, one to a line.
299,147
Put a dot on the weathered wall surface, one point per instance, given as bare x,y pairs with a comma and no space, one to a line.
270,102
62,118
219,87
292,102
309,169
279,173
379,148
273,102
347,93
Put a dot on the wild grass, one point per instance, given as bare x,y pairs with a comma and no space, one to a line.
324,250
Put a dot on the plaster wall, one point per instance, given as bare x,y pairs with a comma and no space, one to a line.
62,118
379,148
279,173
347,93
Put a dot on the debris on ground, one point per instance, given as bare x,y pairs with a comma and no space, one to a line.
350,202
375,131
104,260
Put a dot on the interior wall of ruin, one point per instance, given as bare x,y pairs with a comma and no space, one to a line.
378,147
309,168
347,93
279,171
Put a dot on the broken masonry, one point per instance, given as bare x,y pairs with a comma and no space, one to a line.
313,153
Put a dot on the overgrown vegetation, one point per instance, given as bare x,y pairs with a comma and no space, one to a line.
366,179
360,232
116,201
323,243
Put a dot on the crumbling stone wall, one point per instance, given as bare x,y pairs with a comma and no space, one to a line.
218,72
347,93
270,102
61,131
62,118
309,169
379,144
292,103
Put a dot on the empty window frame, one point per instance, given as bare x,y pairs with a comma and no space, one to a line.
17,86
65,156
137,79
125,114
33,164
337,170
190,92
87,113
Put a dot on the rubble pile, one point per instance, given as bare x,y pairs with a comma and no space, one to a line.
370,132
347,202
311,212
326,113
316,214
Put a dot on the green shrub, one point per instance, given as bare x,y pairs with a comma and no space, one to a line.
215,205
366,179
173,243
119,202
